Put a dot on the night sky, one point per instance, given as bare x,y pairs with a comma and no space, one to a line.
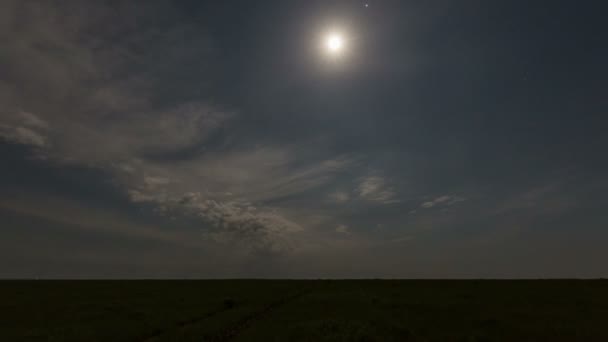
220,139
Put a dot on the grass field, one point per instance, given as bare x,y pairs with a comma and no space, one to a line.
269,310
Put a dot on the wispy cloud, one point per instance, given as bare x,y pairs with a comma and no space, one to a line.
444,200
339,197
342,229
259,230
111,103
375,189
25,128
102,109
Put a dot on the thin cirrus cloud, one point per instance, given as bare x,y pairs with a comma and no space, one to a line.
182,155
339,196
444,200
375,189
372,189
97,115
223,145
24,128
342,229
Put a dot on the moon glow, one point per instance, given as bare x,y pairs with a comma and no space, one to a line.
334,43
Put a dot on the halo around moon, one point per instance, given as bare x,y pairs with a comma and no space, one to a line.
334,43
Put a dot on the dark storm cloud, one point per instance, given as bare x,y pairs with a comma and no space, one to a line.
449,124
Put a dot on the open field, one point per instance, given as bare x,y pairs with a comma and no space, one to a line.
269,310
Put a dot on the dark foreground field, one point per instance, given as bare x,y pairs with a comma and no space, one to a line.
304,310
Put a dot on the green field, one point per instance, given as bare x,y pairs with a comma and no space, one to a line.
269,310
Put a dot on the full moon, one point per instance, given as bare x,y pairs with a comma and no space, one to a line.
334,43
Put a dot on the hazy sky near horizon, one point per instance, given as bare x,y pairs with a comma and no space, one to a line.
214,139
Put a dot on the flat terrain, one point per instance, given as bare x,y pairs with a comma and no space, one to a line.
265,310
